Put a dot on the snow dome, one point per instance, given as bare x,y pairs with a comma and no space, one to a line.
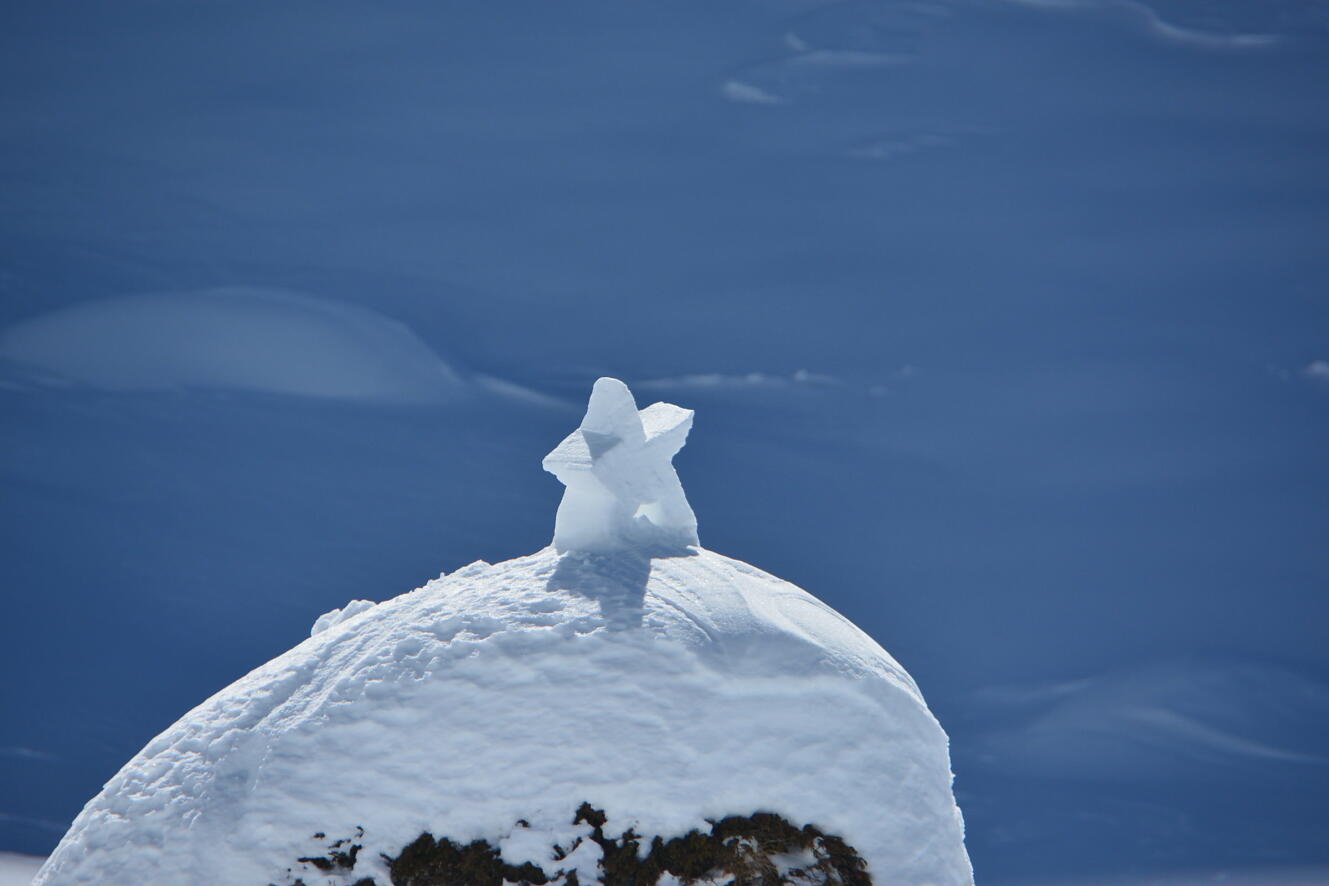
622,707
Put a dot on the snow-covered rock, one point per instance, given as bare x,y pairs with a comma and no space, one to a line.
624,668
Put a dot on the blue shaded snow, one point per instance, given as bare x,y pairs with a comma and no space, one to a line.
1002,319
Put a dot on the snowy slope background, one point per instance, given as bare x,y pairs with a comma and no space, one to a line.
1007,321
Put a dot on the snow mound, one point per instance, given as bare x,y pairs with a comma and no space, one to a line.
236,338
670,688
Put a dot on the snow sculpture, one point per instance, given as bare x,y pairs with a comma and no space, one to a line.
622,489
622,706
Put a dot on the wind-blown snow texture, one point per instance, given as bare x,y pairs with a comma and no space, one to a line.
235,338
668,686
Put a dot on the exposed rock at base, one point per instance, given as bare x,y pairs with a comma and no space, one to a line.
762,849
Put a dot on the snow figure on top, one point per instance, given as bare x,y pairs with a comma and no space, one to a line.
622,489
620,708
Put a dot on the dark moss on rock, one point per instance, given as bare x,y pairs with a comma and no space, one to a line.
762,849
752,850
441,862
337,859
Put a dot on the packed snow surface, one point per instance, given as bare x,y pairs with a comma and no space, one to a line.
663,685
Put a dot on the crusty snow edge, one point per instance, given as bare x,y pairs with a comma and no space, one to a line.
667,689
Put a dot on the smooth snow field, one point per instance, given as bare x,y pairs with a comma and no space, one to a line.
1005,325
1256,877
18,870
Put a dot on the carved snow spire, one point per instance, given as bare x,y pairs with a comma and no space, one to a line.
622,489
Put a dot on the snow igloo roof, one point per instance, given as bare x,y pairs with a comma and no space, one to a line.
623,666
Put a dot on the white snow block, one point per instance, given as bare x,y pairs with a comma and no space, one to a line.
664,684
622,490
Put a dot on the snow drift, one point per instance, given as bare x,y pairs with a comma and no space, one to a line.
235,338
670,688
1203,721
